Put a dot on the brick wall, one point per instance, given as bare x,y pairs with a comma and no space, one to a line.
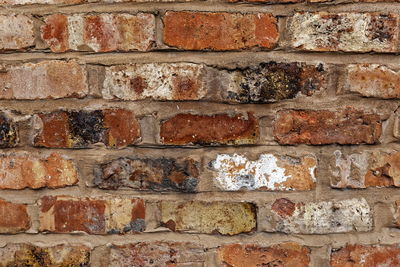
199,133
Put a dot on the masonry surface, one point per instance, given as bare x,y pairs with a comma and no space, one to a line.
207,133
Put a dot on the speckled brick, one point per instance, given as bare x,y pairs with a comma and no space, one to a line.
349,32
323,217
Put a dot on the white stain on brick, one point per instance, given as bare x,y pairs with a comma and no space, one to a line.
236,172
156,80
326,217
75,31
347,167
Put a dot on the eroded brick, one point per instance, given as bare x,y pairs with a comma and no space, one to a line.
286,254
364,255
32,2
63,214
219,31
16,32
226,218
8,132
366,169
349,32
99,33
269,172
47,79
318,127
157,81
19,171
373,80
267,1
14,217
337,216
185,129
271,82
30,255
75,129
162,174
158,254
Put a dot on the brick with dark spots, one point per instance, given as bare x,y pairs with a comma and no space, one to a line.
319,127
80,129
8,132
271,82
65,214
23,254
185,129
163,174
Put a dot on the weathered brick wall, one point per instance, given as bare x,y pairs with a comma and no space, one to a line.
199,133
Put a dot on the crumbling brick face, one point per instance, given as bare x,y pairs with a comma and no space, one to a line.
220,133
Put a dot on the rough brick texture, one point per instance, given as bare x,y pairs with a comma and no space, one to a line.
210,133
47,79
202,217
22,171
219,31
69,129
14,217
63,214
99,33
319,127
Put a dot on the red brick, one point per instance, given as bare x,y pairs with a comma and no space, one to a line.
16,32
158,254
349,32
219,31
286,254
26,171
63,214
372,80
364,255
47,79
318,127
99,33
74,129
185,129
14,217
23,254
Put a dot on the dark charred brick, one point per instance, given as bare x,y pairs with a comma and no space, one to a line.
164,174
8,132
318,127
271,82
86,127
210,129
79,129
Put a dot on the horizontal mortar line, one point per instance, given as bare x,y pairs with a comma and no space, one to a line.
210,241
279,9
210,58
